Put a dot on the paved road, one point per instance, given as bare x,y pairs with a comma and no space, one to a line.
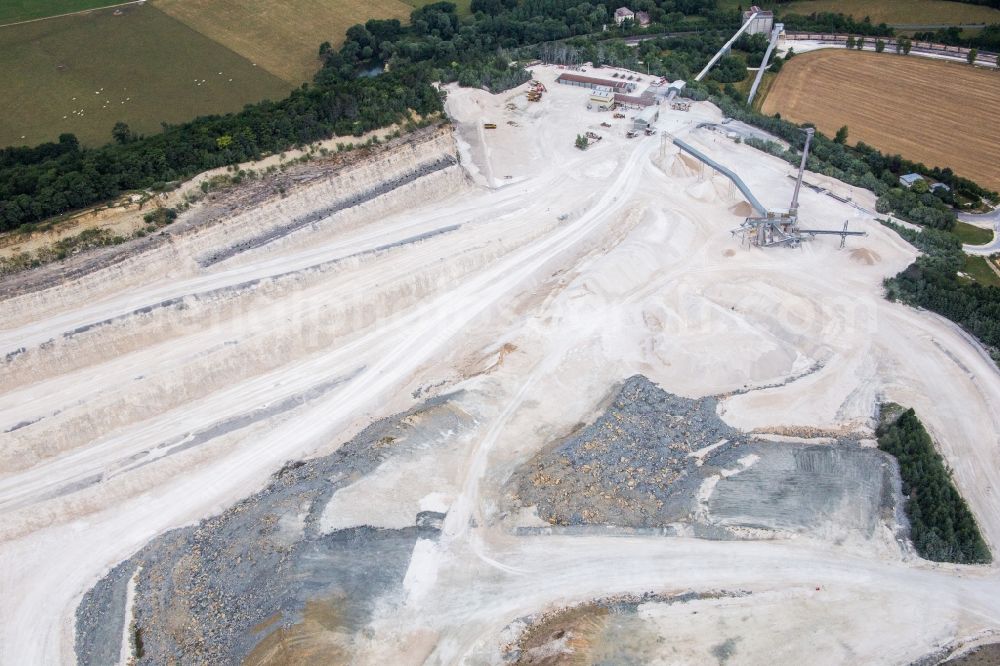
986,221
803,44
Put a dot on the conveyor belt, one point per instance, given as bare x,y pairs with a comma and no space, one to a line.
757,205
767,59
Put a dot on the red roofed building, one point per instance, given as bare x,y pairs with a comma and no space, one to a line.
591,82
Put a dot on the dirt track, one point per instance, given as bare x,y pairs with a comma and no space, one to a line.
159,392
934,112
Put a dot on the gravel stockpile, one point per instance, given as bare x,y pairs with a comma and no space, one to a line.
656,461
631,467
209,593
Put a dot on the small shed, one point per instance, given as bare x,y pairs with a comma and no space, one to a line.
910,179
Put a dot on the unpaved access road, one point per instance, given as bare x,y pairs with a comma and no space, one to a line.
159,392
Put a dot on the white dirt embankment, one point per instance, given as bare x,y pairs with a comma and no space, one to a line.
597,265
174,265
125,216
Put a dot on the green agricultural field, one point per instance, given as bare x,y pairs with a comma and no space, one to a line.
928,12
83,73
12,11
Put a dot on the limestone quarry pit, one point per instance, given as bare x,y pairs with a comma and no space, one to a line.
480,397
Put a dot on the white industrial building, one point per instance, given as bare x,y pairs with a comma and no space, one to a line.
602,100
763,22
646,117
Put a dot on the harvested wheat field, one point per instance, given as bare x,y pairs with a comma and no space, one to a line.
935,112
281,37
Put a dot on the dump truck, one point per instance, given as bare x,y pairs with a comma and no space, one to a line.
489,125
631,134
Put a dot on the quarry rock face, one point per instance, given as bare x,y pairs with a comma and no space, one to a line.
251,579
213,592
655,460
477,395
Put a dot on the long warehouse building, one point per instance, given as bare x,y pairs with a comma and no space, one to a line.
618,87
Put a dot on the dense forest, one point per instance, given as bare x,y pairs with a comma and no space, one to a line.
941,526
933,282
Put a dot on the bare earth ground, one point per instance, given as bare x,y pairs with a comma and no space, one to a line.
522,285
282,37
938,113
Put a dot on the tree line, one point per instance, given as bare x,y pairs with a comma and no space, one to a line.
53,178
933,282
835,22
988,3
941,526
987,39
